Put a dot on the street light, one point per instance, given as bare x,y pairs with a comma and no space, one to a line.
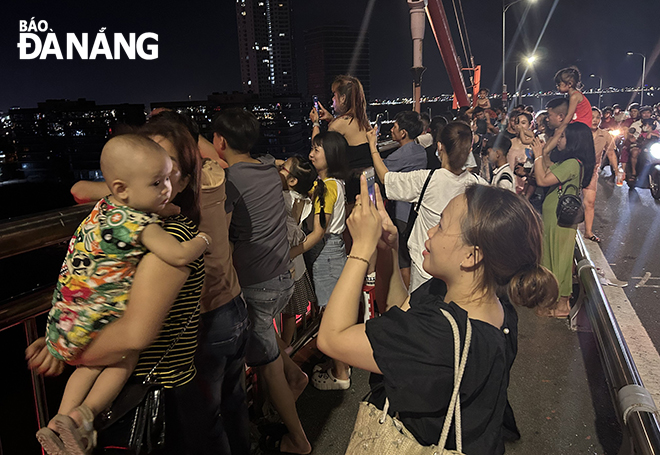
505,8
600,88
530,61
641,99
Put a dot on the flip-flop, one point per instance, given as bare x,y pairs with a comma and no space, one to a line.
51,442
595,238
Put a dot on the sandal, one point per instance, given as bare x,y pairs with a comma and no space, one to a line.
325,380
51,442
594,238
78,440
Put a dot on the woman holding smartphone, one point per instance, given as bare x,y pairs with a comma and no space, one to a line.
328,156
351,121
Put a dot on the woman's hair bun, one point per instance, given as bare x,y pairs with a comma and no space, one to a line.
534,287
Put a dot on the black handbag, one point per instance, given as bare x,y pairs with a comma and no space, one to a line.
414,210
134,424
570,210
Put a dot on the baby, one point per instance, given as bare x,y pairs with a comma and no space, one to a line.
96,278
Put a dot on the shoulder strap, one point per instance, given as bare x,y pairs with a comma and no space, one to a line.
421,196
454,410
149,378
579,185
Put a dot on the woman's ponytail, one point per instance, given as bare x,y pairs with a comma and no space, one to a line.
534,287
320,193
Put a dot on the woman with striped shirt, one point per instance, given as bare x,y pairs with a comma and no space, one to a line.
164,302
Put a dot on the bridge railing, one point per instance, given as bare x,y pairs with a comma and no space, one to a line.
633,403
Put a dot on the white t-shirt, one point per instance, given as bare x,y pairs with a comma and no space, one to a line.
442,188
503,182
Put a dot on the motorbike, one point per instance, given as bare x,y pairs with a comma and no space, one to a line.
647,169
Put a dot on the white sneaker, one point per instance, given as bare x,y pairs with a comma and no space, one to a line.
324,380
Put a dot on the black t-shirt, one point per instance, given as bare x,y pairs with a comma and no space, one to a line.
509,135
419,370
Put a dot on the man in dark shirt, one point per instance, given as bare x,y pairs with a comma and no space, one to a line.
511,131
261,257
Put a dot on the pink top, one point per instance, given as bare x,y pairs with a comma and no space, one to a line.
583,112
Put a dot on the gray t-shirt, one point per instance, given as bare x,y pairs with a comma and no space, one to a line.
409,157
258,222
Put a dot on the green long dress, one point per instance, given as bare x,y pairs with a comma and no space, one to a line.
559,242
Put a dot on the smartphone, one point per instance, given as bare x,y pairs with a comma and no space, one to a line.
315,99
371,180
529,154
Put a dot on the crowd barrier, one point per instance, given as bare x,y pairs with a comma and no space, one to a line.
634,405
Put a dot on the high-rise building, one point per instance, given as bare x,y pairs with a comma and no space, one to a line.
265,41
331,51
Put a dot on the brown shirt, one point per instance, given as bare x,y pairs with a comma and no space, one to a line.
221,284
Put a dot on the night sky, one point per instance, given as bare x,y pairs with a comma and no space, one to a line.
198,52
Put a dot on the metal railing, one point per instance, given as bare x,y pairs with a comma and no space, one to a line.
633,403
26,234
21,236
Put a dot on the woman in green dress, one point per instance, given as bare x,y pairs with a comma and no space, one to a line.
575,164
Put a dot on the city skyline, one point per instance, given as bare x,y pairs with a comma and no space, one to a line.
198,47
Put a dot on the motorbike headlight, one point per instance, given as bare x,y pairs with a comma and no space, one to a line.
654,151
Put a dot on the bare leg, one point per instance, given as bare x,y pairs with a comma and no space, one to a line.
295,377
634,153
77,388
563,306
106,387
340,370
288,329
282,398
589,198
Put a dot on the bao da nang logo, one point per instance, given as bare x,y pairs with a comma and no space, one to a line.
33,44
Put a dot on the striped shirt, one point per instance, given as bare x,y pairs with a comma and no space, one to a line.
178,367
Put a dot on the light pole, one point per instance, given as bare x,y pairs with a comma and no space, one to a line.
641,99
505,8
600,88
530,61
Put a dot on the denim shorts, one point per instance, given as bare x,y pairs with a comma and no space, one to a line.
328,267
265,301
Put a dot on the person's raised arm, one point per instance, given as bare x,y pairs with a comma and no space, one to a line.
88,191
312,238
207,150
542,173
526,135
169,249
379,164
340,336
315,116
390,288
155,287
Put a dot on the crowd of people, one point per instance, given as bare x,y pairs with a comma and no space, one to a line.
452,228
